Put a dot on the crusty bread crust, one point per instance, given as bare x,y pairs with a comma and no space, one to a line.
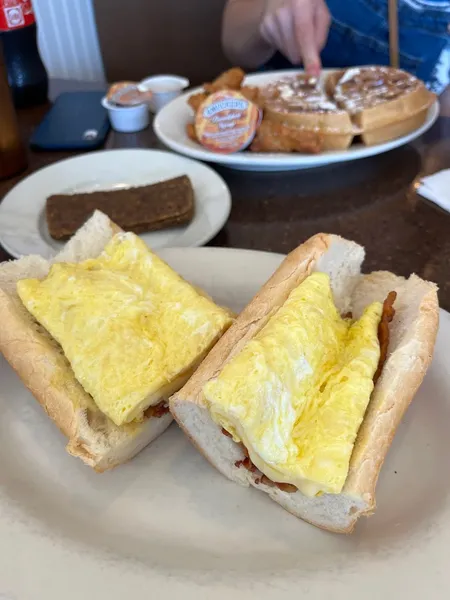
413,334
412,339
42,366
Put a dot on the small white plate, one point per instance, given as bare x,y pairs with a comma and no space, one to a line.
23,226
170,127
167,525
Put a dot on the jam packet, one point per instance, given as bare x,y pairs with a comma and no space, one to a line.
226,122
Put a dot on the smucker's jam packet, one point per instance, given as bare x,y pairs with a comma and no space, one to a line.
226,122
127,93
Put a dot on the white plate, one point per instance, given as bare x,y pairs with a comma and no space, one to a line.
170,127
167,525
23,227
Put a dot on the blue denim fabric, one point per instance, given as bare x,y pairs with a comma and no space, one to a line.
359,35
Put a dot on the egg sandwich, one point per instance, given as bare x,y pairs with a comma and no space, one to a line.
303,394
102,335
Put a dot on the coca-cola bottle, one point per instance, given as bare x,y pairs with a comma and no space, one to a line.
27,76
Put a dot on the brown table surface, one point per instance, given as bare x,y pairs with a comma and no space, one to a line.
371,201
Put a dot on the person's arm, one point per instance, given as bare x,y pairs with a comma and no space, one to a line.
242,41
254,29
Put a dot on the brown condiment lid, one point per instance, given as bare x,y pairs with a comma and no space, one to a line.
127,93
226,122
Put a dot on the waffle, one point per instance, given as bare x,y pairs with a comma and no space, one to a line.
301,102
383,103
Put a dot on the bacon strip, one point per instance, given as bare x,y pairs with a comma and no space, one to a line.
383,331
247,464
157,411
287,487
260,477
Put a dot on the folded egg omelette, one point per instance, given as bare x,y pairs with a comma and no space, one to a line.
296,393
131,328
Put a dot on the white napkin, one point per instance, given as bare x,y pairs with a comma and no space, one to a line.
436,188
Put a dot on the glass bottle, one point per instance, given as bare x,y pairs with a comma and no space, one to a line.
13,156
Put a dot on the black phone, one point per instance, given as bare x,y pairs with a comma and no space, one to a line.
76,121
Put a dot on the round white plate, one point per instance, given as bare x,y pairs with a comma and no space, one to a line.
167,525
170,126
23,226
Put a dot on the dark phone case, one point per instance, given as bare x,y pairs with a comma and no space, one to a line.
76,121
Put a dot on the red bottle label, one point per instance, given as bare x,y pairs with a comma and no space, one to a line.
15,14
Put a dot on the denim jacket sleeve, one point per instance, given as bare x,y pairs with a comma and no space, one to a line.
359,35
361,26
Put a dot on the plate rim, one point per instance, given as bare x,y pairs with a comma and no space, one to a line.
273,161
201,241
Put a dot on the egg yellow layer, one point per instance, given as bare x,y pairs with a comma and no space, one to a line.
296,394
129,325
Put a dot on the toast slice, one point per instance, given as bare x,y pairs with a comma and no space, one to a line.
137,209
412,337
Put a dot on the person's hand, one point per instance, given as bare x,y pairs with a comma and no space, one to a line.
298,29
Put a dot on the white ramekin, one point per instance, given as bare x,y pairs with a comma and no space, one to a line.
127,119
164,89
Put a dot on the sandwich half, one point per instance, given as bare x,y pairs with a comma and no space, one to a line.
303,394
102,335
